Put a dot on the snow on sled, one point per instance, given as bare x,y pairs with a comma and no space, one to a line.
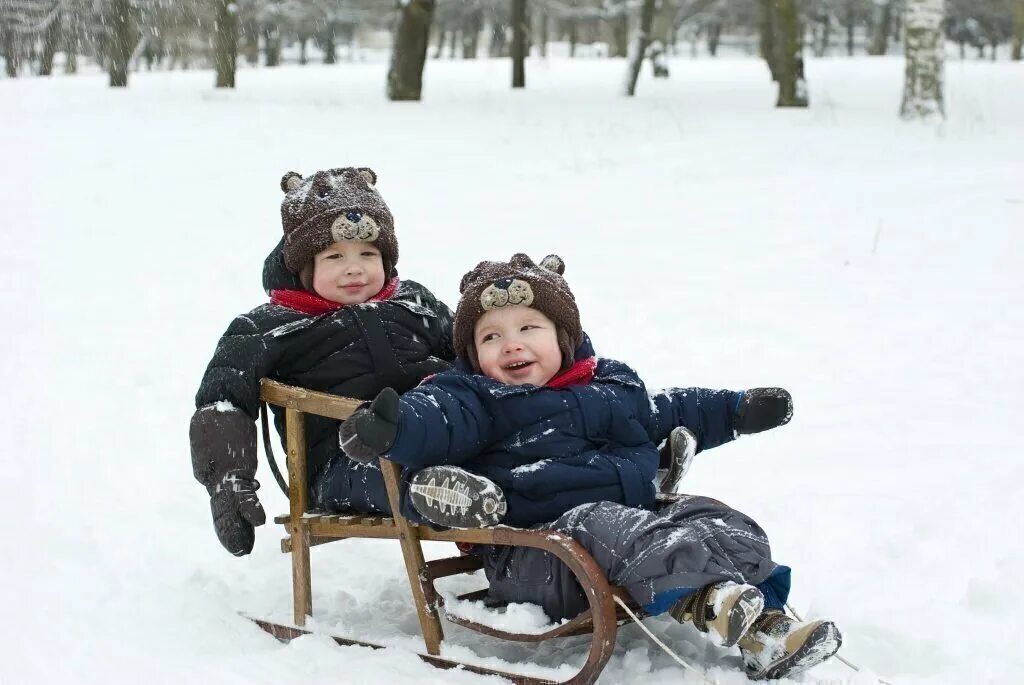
309,528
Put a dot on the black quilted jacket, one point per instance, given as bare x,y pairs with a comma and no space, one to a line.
355,351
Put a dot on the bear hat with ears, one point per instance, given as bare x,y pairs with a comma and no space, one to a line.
519,281
332,205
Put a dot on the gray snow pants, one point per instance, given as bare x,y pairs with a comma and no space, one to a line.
658,556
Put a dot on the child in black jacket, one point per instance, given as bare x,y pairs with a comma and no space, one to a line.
339,320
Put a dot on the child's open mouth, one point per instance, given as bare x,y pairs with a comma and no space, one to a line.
517,367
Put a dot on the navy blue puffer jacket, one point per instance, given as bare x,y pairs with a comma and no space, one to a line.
548,449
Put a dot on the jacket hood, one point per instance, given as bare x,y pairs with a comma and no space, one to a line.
276,275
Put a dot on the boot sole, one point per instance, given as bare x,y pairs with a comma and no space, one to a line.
821,644
682,441
744,612
454,498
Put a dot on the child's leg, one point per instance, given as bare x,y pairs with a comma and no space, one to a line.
777,646
725,611
659,557
455,498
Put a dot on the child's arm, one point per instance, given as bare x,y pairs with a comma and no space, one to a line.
705,412
222,433
718,416
443,421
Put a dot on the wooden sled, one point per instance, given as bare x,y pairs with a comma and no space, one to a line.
308,528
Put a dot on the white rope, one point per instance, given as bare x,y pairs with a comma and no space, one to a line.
848,663
661,644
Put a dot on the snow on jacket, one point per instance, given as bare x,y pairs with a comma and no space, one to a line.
354,351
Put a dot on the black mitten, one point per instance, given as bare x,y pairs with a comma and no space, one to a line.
371,430
761,409
236,511
224,460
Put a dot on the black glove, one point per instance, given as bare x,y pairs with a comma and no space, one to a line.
224,460
761,409
236,511
371,430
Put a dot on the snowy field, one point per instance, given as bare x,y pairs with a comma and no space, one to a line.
872,267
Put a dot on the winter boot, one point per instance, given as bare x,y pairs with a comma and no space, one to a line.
678,452
455,498
779,647
723,610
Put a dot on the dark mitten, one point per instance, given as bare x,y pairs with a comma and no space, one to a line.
224,460
236,511
761,409
371,430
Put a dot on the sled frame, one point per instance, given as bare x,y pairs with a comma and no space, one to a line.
306,529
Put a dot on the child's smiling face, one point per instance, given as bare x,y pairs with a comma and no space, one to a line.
348,272
517,345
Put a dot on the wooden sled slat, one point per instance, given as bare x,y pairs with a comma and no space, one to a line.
286,633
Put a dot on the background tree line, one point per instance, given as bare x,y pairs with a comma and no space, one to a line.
122,35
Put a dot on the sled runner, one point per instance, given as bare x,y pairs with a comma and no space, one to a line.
306,529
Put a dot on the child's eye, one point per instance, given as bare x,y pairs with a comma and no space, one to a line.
528,327
369,253
333,255
489,337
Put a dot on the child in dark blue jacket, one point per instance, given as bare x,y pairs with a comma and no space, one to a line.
532,429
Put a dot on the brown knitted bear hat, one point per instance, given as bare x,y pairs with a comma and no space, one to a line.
337,204
519,281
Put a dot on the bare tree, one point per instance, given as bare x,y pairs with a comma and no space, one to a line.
1018,29
409,51
883,29
52,36
225,49
924,49
519,31
9,38
768,29
789,55
122,38
643,39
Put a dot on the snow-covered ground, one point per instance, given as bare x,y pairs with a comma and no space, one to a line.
870,266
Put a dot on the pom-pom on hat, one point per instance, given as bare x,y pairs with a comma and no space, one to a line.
332,205
519,281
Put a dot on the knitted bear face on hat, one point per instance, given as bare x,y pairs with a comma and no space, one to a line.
519,281
330,206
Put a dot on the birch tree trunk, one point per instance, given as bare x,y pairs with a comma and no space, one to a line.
409,53
925,52
225,51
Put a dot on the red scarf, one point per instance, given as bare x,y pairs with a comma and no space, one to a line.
310,303
580,373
